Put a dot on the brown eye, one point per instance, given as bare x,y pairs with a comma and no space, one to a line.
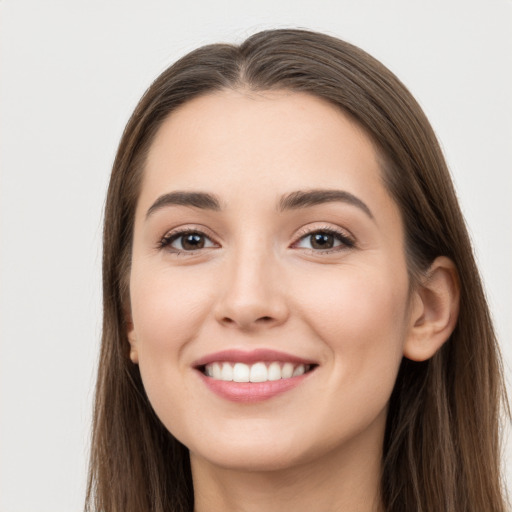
186,241
192,241
322,241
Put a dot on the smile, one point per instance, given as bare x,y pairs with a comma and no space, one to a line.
252,376
257,372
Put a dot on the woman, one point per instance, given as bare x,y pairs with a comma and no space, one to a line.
293,318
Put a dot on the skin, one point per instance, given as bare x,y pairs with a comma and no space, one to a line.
259,283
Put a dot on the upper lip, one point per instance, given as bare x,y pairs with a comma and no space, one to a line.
250,357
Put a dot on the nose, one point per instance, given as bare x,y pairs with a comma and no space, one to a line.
252,294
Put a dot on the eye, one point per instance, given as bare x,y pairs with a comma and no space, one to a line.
186,241
324,240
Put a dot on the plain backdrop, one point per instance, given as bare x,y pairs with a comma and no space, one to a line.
71,73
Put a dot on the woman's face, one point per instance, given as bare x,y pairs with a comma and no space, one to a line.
266,248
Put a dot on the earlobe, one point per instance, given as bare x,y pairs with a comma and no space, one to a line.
434,310
134,355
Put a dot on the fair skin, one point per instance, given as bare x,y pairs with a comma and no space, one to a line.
259,265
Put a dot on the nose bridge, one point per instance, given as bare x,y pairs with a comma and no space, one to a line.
251,293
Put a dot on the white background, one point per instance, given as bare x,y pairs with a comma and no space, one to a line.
71,73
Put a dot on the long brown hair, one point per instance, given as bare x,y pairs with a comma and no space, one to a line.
441,449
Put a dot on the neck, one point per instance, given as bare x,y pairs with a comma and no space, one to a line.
344,480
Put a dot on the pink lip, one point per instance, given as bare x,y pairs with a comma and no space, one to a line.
250,357
250,391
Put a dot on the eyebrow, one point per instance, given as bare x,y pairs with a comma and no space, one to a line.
291,201
302,199
200,200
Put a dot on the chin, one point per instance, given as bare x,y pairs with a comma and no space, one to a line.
252,455
251,460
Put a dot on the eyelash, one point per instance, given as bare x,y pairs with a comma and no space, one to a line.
347,242
166,241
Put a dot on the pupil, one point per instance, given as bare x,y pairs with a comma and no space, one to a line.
322,241
193,241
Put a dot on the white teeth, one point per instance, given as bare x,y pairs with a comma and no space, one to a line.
274,371
257,372
241,372
287,370
216,371
227,372
299,370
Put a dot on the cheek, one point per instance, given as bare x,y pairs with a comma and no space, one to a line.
362,322
360,299
166,308
361,315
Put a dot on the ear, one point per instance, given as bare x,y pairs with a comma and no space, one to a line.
132,340
434,310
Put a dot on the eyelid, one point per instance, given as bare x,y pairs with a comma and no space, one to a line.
164,243
347,239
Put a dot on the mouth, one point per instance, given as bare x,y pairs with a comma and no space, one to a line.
242,376
261,371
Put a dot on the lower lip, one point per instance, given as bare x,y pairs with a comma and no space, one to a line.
251,391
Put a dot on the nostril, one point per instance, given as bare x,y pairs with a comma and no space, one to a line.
249,322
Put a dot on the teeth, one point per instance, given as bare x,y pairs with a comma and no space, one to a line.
274,371
216,371
257,372
299,370
240,372
227,372
287,370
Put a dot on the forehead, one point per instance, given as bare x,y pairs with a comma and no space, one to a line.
233,142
